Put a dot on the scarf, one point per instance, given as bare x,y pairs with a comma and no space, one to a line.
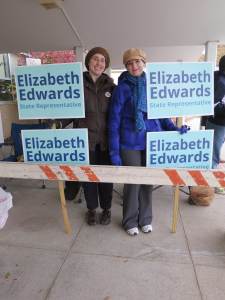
139,96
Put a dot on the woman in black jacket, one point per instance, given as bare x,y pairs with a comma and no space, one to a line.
217,121
98,88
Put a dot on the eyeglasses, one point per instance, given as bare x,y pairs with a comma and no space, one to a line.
132,62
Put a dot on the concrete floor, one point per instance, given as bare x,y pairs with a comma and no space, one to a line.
39,261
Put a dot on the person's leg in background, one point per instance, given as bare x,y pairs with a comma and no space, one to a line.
71,190
219,135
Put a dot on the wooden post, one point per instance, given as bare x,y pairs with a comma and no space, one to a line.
176,196
66,221
176,199
67,225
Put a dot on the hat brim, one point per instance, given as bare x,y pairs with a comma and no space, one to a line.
133,58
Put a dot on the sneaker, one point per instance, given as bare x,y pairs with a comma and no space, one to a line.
105,217
220,190
146,228
133,231
91,217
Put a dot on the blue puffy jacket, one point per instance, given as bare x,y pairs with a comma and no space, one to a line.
122,133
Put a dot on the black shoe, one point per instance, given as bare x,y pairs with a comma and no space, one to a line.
91,217
105,217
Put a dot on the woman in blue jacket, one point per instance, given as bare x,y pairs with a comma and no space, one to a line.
128,125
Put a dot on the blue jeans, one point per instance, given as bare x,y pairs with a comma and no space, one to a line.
219,136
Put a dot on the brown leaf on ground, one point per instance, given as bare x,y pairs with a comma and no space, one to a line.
7,275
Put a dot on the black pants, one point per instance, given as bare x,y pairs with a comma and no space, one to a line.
72,188
95,192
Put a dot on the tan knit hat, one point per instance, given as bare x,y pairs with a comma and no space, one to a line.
133,53
94,51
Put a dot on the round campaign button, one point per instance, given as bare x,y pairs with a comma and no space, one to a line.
107,94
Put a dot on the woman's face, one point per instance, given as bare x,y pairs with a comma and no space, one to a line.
135,67
97,65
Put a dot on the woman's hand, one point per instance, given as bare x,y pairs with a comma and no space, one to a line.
183,129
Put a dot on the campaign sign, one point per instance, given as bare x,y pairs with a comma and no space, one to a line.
50,91
179,89
170,149
61,146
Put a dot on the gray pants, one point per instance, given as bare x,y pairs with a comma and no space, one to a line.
137,204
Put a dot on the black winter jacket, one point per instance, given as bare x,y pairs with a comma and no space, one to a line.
97,97
219,105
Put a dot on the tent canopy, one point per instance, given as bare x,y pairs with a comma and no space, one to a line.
167,30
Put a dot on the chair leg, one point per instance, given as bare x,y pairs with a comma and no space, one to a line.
43,185
79,198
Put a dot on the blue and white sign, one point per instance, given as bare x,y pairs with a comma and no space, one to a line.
174,150
51,91
179,89
61,146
